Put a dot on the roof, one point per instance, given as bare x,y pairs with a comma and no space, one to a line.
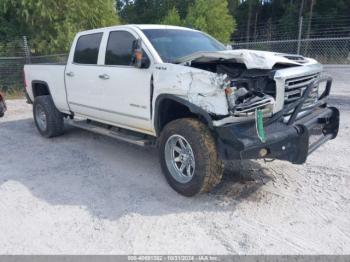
150,26
140,26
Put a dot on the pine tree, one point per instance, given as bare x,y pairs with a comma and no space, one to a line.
172,18
212,17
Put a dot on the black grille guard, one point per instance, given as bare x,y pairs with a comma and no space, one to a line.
293,140
297,106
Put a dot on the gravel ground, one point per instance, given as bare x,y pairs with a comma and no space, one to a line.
87,194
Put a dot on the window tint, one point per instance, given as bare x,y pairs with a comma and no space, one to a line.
119,48
86,50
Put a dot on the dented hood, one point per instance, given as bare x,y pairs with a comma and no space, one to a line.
251,58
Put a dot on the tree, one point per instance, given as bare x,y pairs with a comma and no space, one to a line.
288,24
150,11
172,18
233,6
51,24
212,17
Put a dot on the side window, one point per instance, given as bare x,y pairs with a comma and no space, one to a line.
119,48
86,50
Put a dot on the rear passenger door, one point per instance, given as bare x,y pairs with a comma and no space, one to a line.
82,73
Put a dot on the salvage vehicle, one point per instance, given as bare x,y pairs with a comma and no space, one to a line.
181,90
2,105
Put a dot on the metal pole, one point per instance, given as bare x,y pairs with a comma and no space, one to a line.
299,35
26,50
249,18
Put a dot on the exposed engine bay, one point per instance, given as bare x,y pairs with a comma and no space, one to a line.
246,89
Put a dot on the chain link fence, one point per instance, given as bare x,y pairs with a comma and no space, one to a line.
324,50
12,59
14,54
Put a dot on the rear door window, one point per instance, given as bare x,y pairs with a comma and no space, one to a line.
86,50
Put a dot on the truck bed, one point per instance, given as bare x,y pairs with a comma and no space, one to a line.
53,75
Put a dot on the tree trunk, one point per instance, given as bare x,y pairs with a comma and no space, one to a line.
310,18
249,19
309,26
301,10
255,25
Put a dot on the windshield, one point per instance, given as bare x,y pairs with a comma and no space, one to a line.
175,43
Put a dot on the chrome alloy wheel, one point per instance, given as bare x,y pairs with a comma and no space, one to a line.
179,158
40,117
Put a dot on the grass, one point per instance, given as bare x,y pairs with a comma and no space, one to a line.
14,94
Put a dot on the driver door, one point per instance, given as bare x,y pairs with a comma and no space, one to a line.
123,90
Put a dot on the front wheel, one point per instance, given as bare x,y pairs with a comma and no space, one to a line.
188,157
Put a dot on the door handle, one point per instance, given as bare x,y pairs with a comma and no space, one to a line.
70,74
104,76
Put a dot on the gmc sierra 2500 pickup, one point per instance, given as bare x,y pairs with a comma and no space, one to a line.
181,90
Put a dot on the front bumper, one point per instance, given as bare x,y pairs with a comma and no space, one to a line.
293,140
285,142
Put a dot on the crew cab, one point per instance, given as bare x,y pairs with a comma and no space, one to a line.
183,91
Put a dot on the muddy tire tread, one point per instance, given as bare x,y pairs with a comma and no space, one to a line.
213,167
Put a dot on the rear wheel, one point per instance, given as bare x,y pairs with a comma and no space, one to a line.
48,120
189,158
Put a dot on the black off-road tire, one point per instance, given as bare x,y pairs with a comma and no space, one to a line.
208,167
54,118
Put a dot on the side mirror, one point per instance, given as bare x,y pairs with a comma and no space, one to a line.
228,47
139,59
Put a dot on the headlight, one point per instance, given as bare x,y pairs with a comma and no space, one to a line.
321,88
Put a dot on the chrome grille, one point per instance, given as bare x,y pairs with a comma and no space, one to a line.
295,87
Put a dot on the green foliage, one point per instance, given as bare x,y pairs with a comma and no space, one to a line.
233,6
212,17
150,11
285,15
52,24
288,22
172,18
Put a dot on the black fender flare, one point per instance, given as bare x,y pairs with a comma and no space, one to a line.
42,83
193,109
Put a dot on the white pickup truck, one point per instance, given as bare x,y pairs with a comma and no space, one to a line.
181,90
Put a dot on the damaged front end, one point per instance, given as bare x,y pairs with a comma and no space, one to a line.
274,110
247,95
291,134
246,90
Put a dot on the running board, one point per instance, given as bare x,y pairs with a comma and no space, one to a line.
126,136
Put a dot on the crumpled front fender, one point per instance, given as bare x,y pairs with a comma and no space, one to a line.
201,88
